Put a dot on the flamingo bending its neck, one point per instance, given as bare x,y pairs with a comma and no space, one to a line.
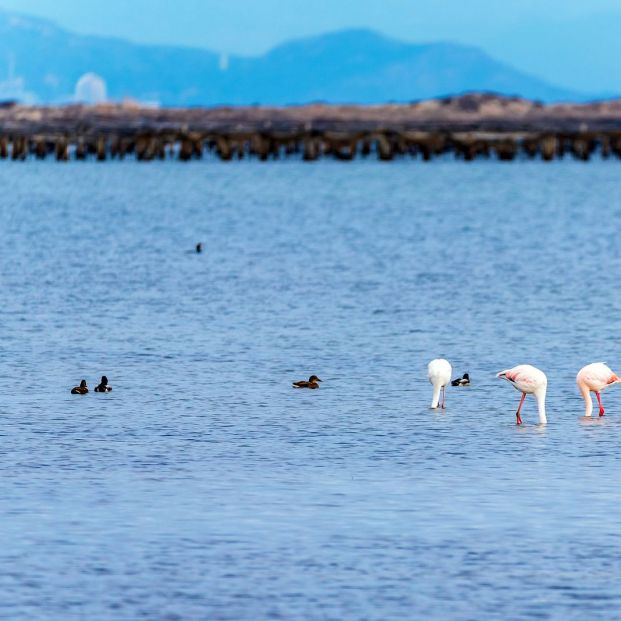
529,381
439,372
594,378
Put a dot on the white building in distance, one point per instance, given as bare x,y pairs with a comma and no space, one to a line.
90,88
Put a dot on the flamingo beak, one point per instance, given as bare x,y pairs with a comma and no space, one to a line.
518,419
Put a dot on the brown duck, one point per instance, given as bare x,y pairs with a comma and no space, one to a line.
82,389
311,383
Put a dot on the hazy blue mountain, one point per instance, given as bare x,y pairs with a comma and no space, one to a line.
42,62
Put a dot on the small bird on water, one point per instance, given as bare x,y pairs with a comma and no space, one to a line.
103,386
311,383
199,247
82,389
461,381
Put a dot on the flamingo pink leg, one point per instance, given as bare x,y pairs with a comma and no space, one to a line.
517,414
601,407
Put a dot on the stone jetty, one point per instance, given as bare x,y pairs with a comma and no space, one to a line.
466,127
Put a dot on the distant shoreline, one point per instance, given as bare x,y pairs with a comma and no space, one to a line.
470,126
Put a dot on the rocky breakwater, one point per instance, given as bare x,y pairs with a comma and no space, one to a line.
467,127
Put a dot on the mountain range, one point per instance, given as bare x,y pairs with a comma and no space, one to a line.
42,63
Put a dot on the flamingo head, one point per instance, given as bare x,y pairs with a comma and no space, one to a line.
614,379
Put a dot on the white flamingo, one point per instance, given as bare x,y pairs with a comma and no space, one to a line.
529,381
439,372
594,378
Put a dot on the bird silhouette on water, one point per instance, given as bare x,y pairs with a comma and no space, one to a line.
311,383
82,389
103,386
461,381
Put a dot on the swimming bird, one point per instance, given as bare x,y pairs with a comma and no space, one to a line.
82,389
103,387
529,381
461,381
594,378
312,383
439,374
199,247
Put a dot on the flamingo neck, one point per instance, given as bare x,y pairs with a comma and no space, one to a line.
541,406
588,402
436,395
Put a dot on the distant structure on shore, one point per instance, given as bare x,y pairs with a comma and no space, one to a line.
90,89
475,125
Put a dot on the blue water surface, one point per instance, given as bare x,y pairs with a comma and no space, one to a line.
205,488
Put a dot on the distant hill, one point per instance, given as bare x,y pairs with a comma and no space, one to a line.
40,62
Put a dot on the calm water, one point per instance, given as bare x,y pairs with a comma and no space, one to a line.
204,487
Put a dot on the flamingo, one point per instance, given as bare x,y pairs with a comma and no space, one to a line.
594,378
529,381
439,373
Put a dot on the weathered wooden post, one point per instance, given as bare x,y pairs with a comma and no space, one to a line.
40,148
114,146
224,148
185,150
19,149
101,149
311,149
549,147
239,148
581,147
506,149
259,146
615,144
197,148
384,148
530,146
159,148
604,144
80,150
400,144
291,147
62,149
142,148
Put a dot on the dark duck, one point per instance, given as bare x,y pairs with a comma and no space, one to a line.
461,381
82,389
311,383
103,386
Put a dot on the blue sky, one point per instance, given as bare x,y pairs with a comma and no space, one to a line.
574,43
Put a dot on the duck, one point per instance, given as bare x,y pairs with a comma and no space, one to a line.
311,383
439,374
199,247
461,381
82,389
103,387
